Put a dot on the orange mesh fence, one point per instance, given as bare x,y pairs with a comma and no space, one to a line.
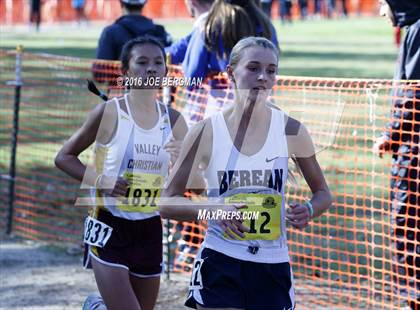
346,258
51,108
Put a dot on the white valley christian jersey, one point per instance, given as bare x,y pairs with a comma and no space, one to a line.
257,181
137,155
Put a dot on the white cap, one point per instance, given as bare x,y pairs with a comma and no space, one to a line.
134,2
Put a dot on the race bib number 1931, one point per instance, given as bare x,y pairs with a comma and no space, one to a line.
96,232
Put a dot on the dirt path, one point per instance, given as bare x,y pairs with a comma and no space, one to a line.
36,275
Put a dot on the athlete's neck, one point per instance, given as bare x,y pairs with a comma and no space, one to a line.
143,100
250,113
247,118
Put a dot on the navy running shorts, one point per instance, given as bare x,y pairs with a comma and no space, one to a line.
221,281
135,245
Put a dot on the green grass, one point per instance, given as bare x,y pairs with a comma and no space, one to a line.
354,47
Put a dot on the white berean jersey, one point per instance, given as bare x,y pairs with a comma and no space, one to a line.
134,151
230,172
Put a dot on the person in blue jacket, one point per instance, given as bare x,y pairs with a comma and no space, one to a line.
228,21
402,139
209,48
199,10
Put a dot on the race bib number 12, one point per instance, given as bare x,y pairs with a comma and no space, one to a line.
96,232
268,208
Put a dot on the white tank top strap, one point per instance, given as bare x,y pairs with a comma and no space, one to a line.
165,123
159,110
220,130
121,127
278,118
120,111
165,111
221,126
130,115
279,132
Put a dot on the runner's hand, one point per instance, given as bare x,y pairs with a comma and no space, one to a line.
233,227
298,216
111,187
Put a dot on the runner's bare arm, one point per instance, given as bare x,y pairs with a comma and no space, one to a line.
300,146
99,125
194,153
